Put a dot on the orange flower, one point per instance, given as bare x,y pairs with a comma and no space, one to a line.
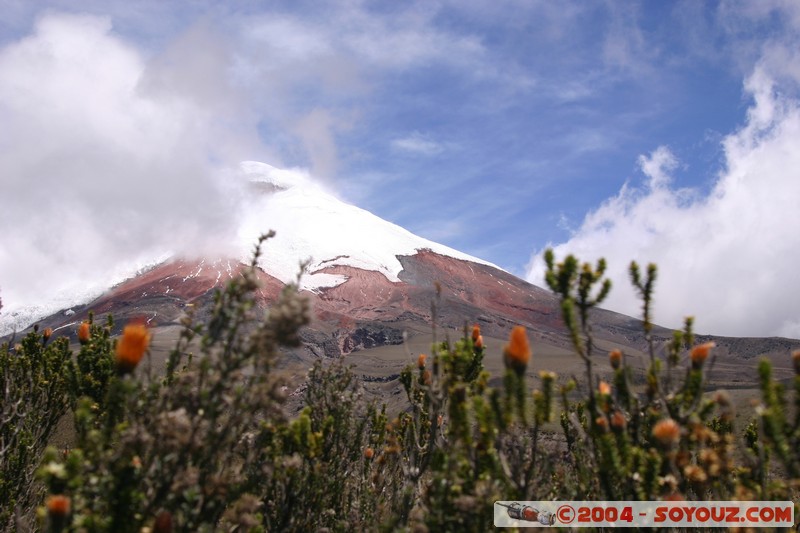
667,432
421,360
695,473
618,420
58,505
602,423
131,347
369,453
615,358
479,342
477,338
426,377
700,353
518,351
603,389
83,332
48,332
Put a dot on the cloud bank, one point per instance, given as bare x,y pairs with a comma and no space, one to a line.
108,159
728,257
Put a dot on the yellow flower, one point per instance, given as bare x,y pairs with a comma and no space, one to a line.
699,354
131,347
667,432
615,358
547,375
517,352
83,332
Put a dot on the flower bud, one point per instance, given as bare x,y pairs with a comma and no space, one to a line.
477,338
131,347
83,332
618,420
58,506
517,352
476,332
615,358
699,354
547,375
426,377
695,474
479,342
667,432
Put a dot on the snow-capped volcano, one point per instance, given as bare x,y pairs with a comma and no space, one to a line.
370,282
311,224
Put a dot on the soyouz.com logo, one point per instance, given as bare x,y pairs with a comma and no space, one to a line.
643,514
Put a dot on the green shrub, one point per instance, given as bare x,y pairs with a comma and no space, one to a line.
35,377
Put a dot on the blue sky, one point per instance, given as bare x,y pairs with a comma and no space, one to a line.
497,128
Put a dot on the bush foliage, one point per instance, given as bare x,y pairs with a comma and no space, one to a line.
208,446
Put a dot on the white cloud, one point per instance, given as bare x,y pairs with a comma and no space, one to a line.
107,159
729,258
418,143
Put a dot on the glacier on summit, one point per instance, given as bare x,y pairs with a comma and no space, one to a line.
312,224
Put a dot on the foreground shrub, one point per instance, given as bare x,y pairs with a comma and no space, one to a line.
35,379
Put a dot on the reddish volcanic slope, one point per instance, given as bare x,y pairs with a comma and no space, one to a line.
369,310
160,294
364,311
